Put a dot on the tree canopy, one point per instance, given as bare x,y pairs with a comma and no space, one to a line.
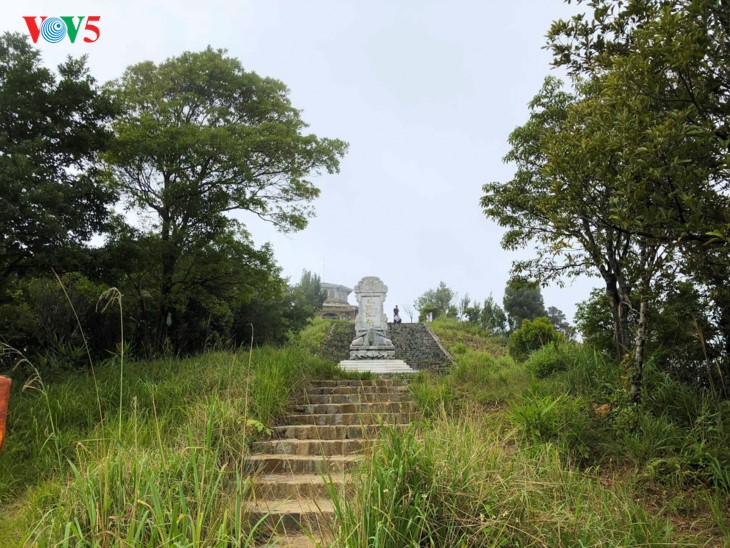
189,146
624,175
53,126
199,138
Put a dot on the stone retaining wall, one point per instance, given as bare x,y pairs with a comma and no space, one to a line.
414,343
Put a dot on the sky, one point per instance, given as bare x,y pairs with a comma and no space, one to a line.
425,92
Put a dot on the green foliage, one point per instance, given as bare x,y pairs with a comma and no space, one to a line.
489,316
658,70
593,320
570,401
309,291
483,373
241,141
52,127
547,360
173,467
436,302
200,137
455,484
522,301
682,335
531,335
313,334
55,321
559,321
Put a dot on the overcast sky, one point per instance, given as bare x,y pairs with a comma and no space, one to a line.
425,92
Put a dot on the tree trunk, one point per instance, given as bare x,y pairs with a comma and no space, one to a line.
722,302
619,313
637,372
168,257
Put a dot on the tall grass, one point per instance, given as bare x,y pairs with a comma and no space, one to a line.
463,482
170,470
671,452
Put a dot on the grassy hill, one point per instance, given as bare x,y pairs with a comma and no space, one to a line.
145,452
546,452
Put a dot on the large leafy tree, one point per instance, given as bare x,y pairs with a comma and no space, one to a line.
555,204
52,128
200,137
664,64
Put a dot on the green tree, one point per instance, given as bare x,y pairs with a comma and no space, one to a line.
531,335
493,317
437,302
522,301
558,211
199,138
559,321
212,283
52,129
663,68
309,291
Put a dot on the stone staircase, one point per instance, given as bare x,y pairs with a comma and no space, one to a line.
327,435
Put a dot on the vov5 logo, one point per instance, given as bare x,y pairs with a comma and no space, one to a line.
55,29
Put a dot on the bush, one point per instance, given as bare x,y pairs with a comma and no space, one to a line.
531,335
52,321
547,360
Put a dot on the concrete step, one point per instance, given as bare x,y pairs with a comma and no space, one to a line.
301,464
349,419
337,408
397,389
371,382
298,486
378,367
336,432
310,447
293,516
379,397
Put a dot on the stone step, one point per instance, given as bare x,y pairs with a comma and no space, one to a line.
301,464
378,367
337,408
397,389
310,447
292,516
298,486
329,432
349,419
369,382
358,398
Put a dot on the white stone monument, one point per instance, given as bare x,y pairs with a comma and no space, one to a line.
371,350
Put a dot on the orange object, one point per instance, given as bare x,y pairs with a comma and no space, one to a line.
5,384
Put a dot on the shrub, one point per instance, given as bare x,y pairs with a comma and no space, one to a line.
531,335
547,360
53,320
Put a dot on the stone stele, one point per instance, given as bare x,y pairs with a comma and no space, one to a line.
370,342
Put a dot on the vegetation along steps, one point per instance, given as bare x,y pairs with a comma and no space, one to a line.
328,434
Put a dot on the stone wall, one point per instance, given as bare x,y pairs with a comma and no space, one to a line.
414,343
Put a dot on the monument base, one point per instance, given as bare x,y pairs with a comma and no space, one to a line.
379,367
372,353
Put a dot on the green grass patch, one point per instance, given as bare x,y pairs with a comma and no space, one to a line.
463,482
151,454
